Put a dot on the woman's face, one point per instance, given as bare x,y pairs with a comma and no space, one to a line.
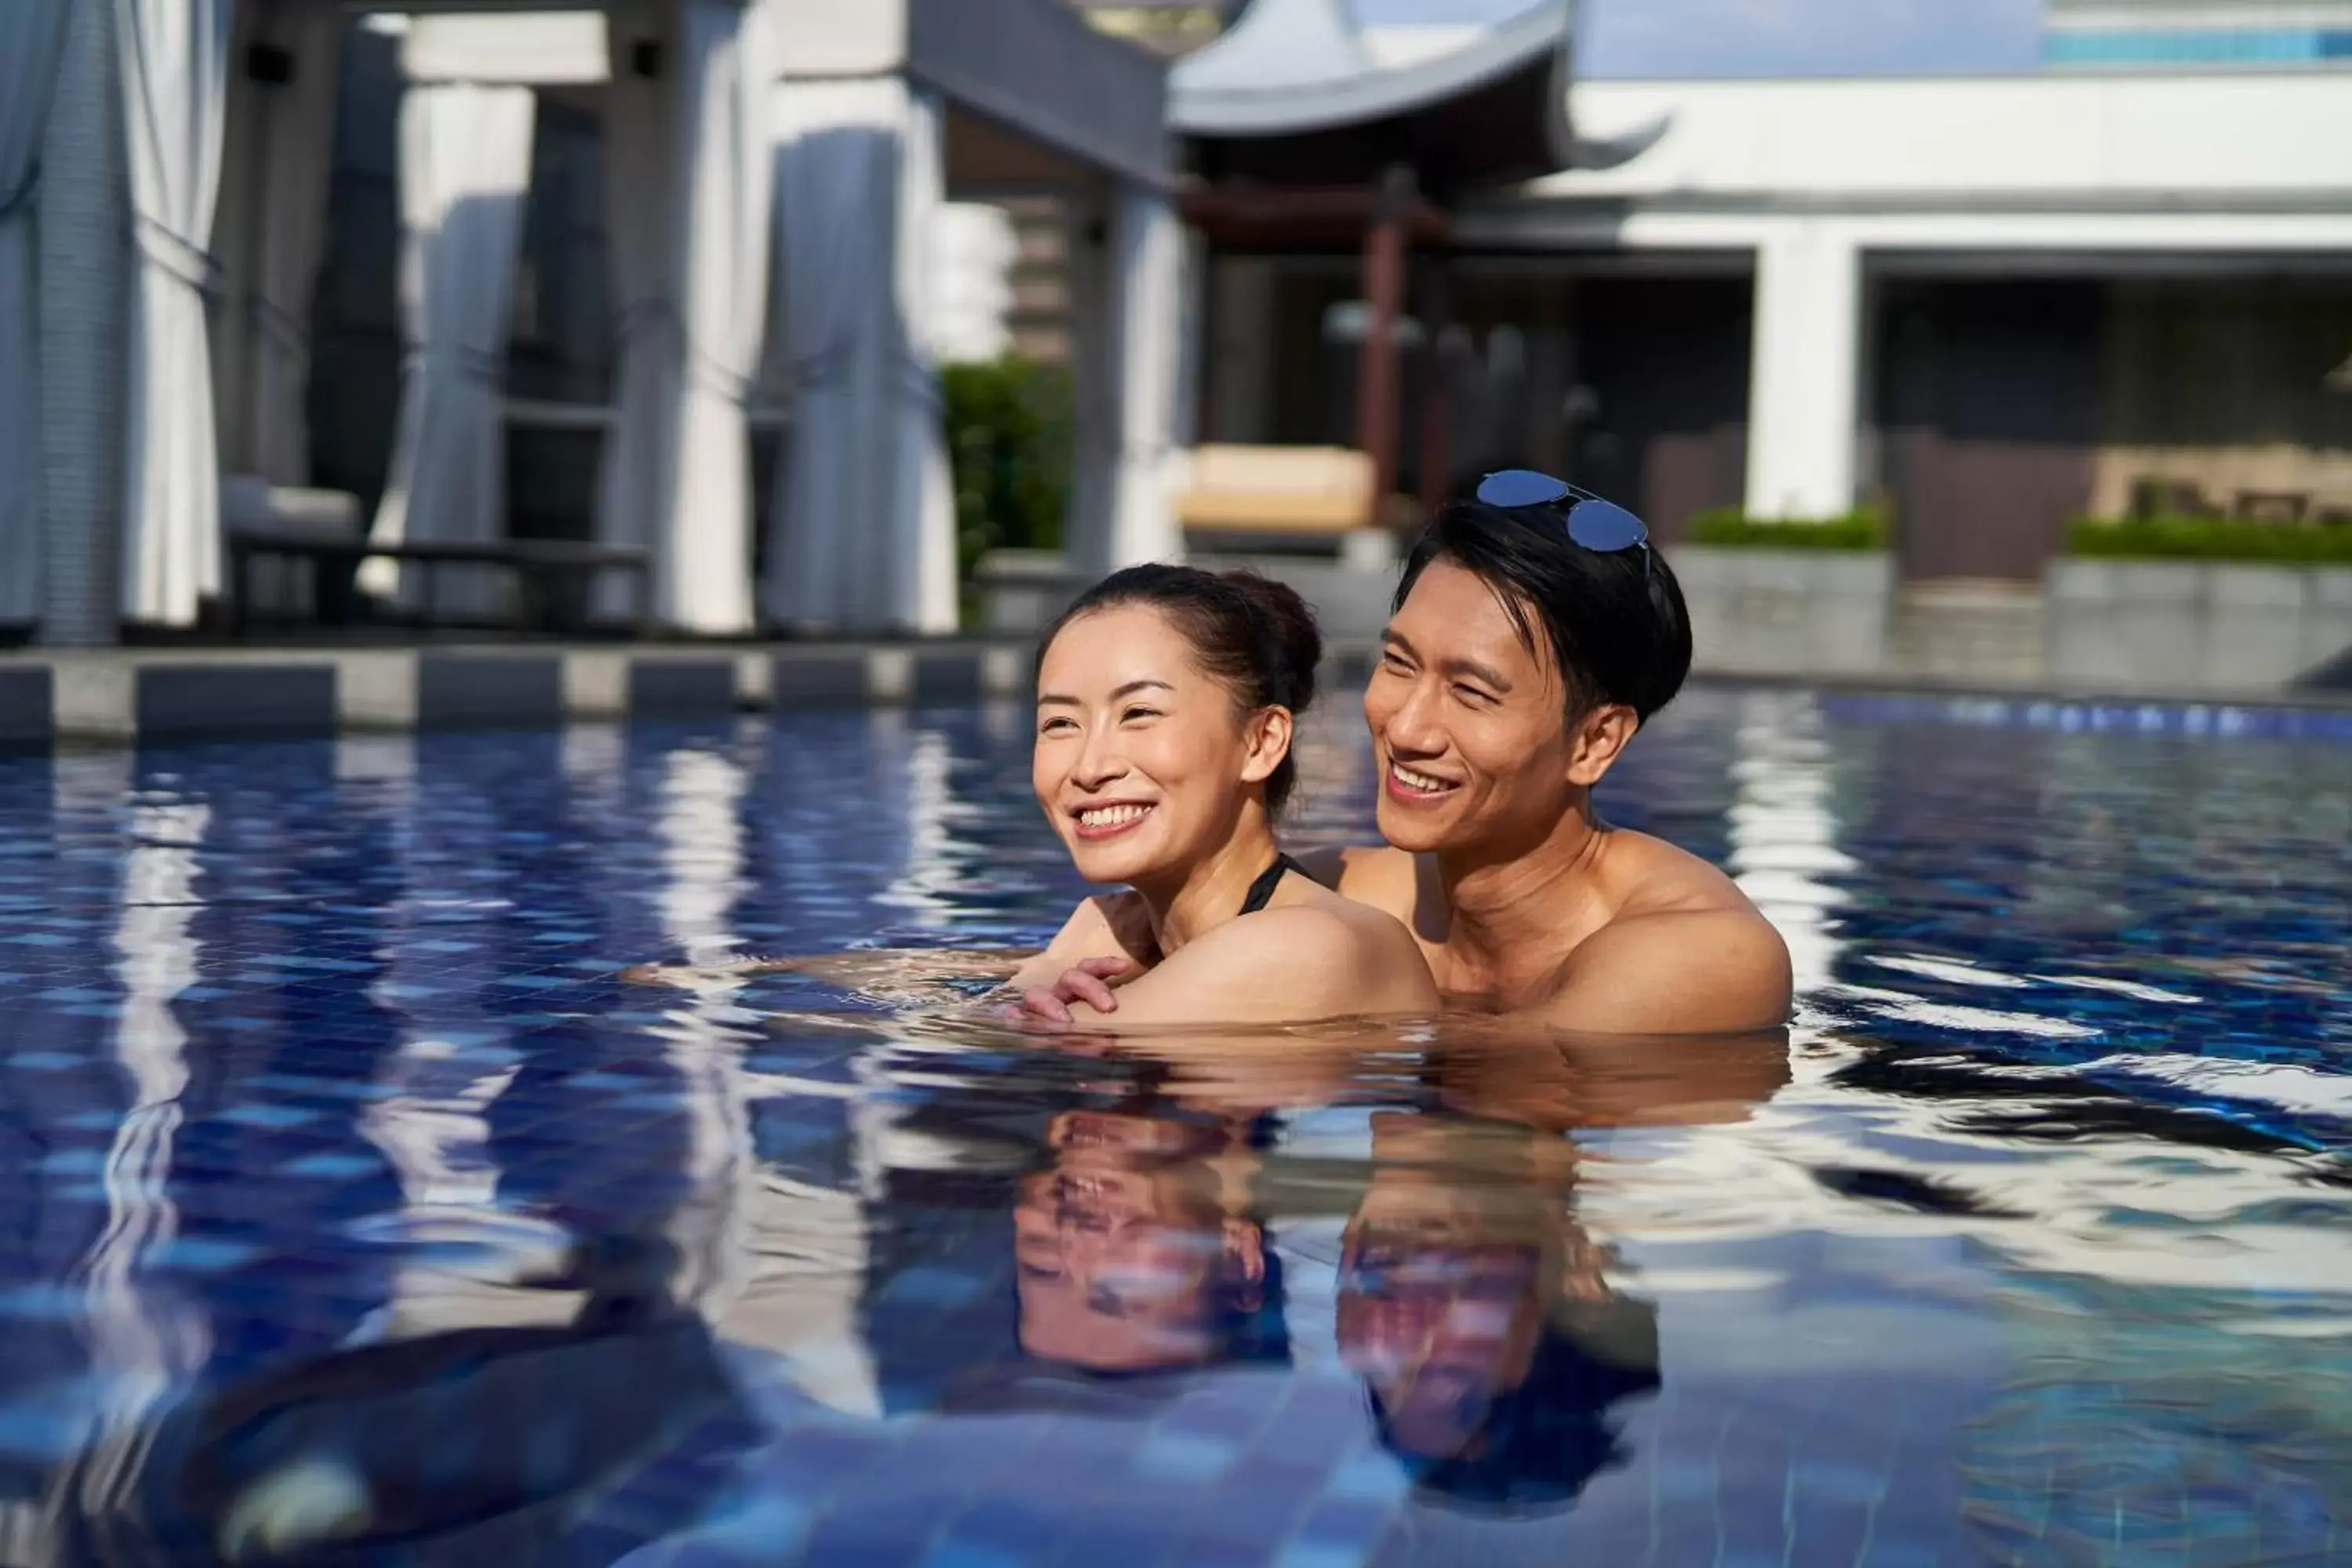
1120,1248
1141,765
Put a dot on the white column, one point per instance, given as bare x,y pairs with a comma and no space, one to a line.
174,101
1148,288
32,36
922,521
1802,405
727,191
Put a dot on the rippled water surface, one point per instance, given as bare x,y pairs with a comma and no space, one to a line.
354,1212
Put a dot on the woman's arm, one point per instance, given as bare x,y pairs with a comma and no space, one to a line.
1108,927
880,972
1292,966
1112,926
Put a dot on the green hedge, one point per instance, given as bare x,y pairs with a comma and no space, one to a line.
2207,539
1009,441
1862,529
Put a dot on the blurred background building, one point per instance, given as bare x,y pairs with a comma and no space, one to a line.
2174,34
1218,256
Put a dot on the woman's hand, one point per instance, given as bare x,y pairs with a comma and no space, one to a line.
1088,982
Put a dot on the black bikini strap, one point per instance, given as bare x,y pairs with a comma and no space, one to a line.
1262,890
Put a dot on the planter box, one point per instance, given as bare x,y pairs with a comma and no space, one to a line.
2194,625
1022,590
1786,612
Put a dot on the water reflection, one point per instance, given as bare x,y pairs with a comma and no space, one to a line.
1135,1250
355,1212
1478,1312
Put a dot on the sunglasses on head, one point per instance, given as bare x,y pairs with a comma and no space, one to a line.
1593,523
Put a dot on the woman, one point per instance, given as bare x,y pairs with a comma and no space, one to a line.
1166,700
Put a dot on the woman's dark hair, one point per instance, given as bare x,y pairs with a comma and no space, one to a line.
1617,634
1252,635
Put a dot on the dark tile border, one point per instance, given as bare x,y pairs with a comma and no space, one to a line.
28,710
235,699
799,679
948,675
459,691
658,686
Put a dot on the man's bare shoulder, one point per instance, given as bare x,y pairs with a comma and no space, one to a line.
1647,875
1684,951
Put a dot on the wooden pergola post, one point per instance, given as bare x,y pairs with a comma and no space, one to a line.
1437,387
1377,381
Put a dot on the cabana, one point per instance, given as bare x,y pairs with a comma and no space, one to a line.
780,165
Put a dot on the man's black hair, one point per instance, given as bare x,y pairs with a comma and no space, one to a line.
1539,1442
1617,634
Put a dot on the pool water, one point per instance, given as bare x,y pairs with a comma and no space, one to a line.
354,1212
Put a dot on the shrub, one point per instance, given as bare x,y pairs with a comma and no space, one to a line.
2207,539
1865,528
1009,441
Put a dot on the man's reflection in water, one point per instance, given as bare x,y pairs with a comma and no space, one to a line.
1472,1306
1134,1251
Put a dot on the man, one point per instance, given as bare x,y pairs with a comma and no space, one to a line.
1534,633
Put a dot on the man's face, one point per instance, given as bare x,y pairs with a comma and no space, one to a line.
1439,1302
1467,722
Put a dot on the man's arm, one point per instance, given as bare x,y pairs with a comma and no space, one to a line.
1674,972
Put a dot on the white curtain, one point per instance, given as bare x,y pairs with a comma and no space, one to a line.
863,530
269,234
174,94
725,149
678,475
465,166
32,32
1148,294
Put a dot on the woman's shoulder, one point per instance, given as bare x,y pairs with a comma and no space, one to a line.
1315,936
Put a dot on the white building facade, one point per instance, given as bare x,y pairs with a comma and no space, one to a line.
1988,304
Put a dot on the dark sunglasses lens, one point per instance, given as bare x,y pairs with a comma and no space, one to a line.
1605,526
1520,487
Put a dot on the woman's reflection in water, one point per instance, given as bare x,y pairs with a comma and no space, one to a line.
1134,1251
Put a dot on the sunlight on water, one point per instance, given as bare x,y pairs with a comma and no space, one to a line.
358,1212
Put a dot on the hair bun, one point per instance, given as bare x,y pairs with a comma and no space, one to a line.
1290,625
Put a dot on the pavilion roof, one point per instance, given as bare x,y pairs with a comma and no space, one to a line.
1293,94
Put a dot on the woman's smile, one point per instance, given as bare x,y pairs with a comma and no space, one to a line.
1110,819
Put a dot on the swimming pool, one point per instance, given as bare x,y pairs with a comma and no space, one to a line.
348,1191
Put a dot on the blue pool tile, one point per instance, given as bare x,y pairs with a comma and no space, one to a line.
331,1166
1180,1456
269,1115
205,1255
961,1554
